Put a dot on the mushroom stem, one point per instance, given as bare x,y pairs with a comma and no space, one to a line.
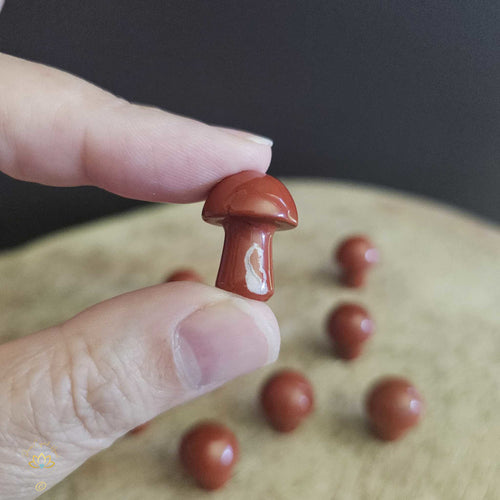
353,278
246,262
348,351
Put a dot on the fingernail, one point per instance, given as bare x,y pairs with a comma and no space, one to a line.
259,139
221,341
243,134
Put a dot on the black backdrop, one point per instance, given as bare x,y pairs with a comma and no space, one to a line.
400,93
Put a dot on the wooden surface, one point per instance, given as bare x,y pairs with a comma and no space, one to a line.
436,302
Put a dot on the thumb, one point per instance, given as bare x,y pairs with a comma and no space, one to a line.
83,384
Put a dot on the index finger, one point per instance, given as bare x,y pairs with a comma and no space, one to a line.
60,130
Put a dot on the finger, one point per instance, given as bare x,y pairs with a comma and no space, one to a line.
247,135
83,384
57,129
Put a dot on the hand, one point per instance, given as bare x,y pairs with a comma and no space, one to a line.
83,384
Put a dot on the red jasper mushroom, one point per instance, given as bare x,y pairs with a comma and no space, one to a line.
287,398
208,451
184,275
355,256
349,327
393,406
250,206
140,428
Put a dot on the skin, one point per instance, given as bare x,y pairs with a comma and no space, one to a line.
83,384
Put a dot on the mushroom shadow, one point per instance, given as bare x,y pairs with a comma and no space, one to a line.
249,414
353,424
326,275
174,473
318,346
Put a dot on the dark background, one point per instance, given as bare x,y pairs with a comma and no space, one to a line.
399,93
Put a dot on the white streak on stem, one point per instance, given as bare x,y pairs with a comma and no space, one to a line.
255,283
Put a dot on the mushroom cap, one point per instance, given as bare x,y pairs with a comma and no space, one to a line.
251,195
393,405
208,451
350,324
356,253
184,275
287,397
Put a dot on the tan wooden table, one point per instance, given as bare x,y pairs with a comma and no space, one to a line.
436,302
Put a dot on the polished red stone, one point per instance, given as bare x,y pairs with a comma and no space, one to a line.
355,256
184,275
140,428
393,406
208,451
287,398
250,206
349,326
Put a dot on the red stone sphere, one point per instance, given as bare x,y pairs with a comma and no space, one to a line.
349,327
393,406
356,253
184,275
208,451
287,398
